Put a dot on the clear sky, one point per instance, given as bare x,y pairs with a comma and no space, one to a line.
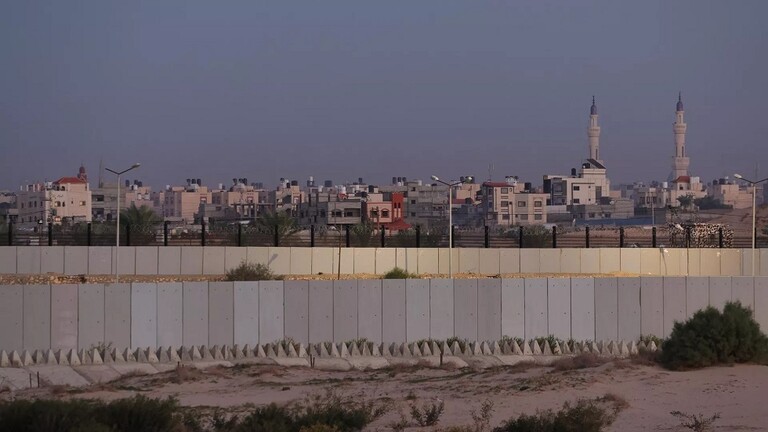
348,89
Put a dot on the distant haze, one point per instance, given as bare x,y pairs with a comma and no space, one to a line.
346,89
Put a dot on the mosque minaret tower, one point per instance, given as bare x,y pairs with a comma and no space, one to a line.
681,161
594,133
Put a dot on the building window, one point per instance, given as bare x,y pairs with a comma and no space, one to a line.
537,203
537,217
505,203
505,217
505,190
524,217
385,213
576,201
521,204
413,201
576,187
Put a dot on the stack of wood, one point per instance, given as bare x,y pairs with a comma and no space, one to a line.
699,235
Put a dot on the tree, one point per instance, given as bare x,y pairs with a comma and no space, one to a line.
141,220
282,222
686,201
363,233
709,203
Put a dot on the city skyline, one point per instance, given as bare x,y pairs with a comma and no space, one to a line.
341,91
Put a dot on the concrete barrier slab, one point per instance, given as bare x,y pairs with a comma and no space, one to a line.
570,260
37,317
530,261
489,309
90,315
693,265
631,260
762,257
347,259
489,264
214,260
709,261
75,260
191,260
12,317
417,309
559,307
126,265
509,261
28,260
719,291
469,260
674,262
143,322
51,259
344,310
8,259
271,309
629,313
246,298
536,319
322,260
320,311
170,309
221,313
746,262
63,316
650,261
513,307
393,313
58,375
301,261
590,260
761,302
442,261
364,260
696,294
297,310
257,255
99,373
146,260
386,260
169,260
583,309
610,260
427,261
408,259
606,309
743,290
234,256
441,308
730,262
465,306
195,313
15,378
674,302
369,310
549,260
652,306
117,314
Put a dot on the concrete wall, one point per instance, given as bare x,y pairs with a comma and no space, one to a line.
174,260
224,313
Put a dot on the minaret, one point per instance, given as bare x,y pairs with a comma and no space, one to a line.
681,161
594,133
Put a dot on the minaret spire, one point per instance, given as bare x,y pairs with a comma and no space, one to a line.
593,132
680,161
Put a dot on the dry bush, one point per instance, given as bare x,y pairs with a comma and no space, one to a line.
696,422
185,373
581,361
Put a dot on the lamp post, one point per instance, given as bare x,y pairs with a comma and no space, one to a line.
754,206
450,217
117,241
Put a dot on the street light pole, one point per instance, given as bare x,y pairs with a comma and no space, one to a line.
754,214
117,240
450,218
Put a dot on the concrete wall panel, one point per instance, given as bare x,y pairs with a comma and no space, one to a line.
301,261
650,261
570,260
489,309
100,260
442,261
191,260
469,260
169,260
762,257
674,262
320,311
719,291
696,294
386,260
606,309
257,255
28,260
322,260
743,290
408,259
37,317
365,260
652,306
8,259
465,306
90,315
127,262
530,261
234,256
417,309
195,303
63,316
674,302
583,309
271,310
489,261
146,260
536,319
441,308
710,262
393,313
369,310
344,310
170,310
509,261
75,260
246,299
52,259
221,313
347,260
297,310
513,307
117,315
143,315
427,261
694,264
629,314
590,260
12,317
549,260
761,302
730,262
610,260
631,260
214,260
746,262
559,307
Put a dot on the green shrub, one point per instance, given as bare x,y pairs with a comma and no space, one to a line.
585,416
711,337
251,272
268,418
398,273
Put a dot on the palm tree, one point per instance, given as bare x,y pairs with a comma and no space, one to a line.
141,220
279,221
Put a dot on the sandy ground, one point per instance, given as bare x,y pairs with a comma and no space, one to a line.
737,393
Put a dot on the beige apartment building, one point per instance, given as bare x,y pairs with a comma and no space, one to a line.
104,199
511,203
181,203
67,200
732,194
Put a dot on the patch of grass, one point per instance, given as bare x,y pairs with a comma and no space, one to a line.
587,415
398,273
251,272
581,361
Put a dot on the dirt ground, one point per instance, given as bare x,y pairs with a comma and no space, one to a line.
737,393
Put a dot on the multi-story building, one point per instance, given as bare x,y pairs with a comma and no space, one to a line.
330,208
240,201
512,203
104,199
424,205
181,203
287,197
730,193
68,199
8,211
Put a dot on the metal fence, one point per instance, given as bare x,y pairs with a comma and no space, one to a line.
238,234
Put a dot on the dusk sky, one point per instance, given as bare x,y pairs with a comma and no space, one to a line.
346,89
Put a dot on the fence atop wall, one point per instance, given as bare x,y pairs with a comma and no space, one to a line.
238,234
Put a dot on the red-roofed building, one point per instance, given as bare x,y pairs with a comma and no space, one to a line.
68,199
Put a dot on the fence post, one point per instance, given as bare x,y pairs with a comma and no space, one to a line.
239,234
88,234
202,233
720,237
165,233
621,237
487,237
453,236
587,235
50,233
10,233
277,236
554,237
127,234
346,229
687,237
382,236
418,236
653,236
520,237
311,236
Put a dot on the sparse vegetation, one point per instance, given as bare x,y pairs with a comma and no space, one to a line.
398,273
429,414
587,415
581,361
696,423
251,272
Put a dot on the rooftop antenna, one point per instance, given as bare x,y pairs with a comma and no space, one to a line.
490,172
